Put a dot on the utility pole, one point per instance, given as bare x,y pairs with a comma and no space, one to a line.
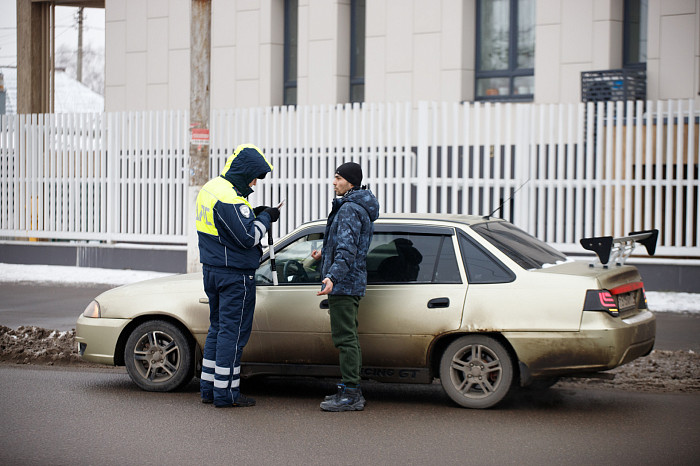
200,62
80,44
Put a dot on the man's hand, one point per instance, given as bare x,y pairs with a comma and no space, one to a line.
260,209
316,254
326,287
274,213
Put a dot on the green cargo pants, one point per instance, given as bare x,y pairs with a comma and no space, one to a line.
345,337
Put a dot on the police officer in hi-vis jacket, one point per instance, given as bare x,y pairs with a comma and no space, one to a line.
230,232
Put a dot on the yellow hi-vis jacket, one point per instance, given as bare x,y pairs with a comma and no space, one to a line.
228,230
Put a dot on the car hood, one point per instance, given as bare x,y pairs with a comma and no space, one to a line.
162,294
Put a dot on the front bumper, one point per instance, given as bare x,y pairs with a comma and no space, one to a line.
97,338
603,342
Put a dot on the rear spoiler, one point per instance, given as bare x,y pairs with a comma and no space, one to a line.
618,250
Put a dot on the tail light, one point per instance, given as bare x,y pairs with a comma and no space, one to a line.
643,302
601,300
621,297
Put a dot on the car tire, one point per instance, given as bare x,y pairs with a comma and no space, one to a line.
476,371
159,357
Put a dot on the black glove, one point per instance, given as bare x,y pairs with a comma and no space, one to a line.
260,209
274,213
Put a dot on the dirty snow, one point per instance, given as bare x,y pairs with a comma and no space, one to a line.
16,273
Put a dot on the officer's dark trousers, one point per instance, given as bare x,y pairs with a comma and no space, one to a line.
345,337
231,305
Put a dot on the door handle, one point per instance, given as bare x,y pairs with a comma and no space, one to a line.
438,302
324,304
203,300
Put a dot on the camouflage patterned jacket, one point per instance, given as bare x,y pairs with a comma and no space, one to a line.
346,241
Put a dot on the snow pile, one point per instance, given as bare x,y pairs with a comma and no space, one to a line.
673,301
17,273
661,371
34,345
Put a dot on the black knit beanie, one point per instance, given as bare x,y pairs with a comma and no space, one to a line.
352,172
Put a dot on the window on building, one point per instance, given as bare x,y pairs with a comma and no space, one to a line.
635,34
357,51
291,23
505,49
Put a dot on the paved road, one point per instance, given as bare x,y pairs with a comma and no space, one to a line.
48,306
58,307
54,416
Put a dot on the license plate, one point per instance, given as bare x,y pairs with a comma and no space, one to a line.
627,300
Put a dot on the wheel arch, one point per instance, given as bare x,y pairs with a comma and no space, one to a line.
126,332
441,343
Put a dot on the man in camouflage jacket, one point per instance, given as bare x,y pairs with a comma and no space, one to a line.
344,268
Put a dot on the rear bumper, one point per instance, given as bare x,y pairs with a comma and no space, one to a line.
97,338
604,342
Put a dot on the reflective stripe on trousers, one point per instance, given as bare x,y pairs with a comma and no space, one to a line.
231,306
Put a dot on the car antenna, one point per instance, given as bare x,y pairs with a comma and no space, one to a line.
486,217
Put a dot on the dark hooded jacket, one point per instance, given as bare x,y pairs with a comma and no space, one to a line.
346,241
228,230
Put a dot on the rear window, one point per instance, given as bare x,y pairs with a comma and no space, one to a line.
524,249
481,266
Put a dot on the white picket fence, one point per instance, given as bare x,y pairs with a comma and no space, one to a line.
561,172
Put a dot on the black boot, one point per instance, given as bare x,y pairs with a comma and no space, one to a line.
347,399
341,389
242,402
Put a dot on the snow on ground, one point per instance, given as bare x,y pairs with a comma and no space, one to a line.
13,273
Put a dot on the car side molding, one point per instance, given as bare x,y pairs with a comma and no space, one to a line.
618,250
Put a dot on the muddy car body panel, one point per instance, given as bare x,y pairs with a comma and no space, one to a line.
474,302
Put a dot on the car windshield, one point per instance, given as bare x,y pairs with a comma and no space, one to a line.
524,249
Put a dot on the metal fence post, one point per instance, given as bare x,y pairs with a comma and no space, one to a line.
422,162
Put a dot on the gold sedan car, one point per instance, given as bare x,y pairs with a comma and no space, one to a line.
473,301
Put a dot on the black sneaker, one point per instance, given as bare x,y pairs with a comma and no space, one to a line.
350,399
341,388
242,402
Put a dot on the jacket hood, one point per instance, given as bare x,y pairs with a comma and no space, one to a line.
247,163
364,198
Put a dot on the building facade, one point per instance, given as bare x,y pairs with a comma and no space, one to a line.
305,52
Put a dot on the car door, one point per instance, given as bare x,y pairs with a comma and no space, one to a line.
291,324
415,291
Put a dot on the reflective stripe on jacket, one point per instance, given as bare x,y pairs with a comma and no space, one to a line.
229,233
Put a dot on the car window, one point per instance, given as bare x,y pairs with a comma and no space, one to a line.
294,263
481,266
524,249
411,258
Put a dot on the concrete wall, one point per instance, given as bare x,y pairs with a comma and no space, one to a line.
585,36
572,37
415,50
147,56
324,52
673,65
420,50
125,257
